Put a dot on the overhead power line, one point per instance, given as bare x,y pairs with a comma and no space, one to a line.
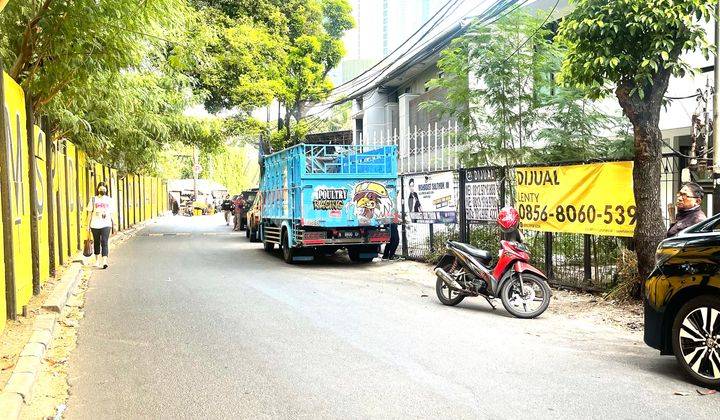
489,16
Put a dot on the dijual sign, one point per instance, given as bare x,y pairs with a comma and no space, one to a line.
594,198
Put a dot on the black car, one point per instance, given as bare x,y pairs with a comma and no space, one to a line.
682,301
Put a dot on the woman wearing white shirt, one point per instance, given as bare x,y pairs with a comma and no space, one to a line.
101,209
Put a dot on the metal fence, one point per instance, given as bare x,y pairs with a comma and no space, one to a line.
588,262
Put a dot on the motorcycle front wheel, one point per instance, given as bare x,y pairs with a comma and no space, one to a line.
529,301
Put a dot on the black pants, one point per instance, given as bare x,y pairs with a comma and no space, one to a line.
100,240
391,247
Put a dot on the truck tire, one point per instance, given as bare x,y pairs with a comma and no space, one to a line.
287,252
268,246
354,254
254,235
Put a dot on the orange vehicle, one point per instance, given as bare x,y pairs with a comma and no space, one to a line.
253,219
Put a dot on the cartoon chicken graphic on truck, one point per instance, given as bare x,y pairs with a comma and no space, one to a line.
372,201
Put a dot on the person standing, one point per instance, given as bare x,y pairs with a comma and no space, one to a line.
100,211
391,247
227,206
687,202
239,206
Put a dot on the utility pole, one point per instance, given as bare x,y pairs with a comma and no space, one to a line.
716,123
195,171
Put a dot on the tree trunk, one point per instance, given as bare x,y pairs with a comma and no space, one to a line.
288,132
644,116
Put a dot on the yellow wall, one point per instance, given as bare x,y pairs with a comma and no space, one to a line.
19,190
72,182
40,197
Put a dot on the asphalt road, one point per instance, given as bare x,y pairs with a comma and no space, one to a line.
191,321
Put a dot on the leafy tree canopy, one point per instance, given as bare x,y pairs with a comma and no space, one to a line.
101,71
499,86
633,47
272,49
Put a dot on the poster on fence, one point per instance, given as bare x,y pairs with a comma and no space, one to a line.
482,194
430,198
594,198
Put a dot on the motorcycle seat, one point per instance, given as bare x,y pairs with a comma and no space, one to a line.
482,255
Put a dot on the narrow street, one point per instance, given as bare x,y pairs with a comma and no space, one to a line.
191,320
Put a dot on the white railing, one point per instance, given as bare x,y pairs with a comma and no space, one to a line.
436,148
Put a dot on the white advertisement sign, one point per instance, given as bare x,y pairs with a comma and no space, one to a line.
481,195
430,198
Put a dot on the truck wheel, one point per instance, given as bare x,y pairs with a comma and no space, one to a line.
268,246
354,254
253,235
287,252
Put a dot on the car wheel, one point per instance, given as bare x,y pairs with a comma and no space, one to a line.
696,339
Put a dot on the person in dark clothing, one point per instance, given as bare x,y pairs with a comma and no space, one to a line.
413,199
227,206
687,202
391,247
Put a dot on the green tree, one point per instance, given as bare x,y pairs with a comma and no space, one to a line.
281,49
499,85
107,74
631,48
51,44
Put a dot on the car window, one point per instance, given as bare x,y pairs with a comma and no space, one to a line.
710,225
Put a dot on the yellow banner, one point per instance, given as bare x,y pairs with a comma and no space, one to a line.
592,198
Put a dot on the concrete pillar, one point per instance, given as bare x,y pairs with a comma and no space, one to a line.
374,115
391,116
404,113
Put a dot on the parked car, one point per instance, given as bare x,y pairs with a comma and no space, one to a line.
682,301
248,198
252,223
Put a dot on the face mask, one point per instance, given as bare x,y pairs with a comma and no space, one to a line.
102,191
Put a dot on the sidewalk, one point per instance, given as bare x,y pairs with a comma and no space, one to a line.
583,307
34,348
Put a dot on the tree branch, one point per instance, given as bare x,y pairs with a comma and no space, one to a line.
26,48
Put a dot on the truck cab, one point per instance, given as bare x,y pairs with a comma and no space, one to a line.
320,198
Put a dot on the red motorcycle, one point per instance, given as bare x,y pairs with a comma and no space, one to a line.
466,271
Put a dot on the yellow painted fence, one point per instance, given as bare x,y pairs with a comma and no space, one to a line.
45,186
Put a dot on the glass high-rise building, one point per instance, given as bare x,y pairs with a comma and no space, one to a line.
380,27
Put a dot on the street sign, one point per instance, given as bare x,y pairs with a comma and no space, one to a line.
197,168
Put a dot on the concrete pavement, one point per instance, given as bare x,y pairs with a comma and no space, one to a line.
192,321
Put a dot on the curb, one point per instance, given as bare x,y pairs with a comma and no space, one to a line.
19,387
57,300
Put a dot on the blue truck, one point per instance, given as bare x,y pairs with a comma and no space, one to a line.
320,198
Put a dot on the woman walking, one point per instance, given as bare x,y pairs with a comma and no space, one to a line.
101,209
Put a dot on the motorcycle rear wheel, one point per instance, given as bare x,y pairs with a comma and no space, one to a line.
512,298
445,295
